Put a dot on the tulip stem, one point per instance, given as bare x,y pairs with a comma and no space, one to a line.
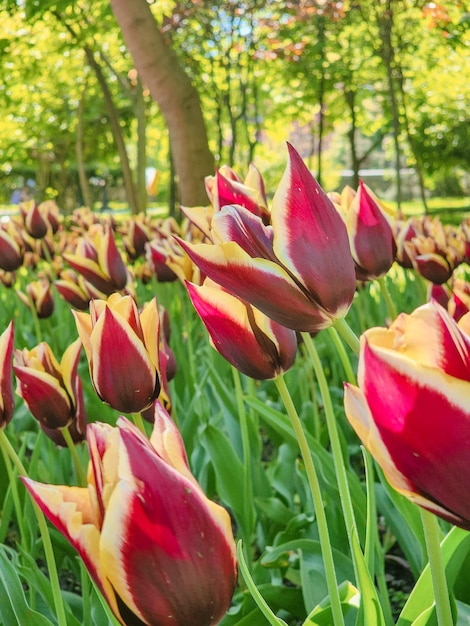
391,308
351,377
325,543
8,449
12,479
139,422
436,566
347,334
335,443
247,484
253,589
81,477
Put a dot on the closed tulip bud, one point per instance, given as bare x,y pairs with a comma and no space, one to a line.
11,248
371,237
98,260
248,339
161,553
35,220
7,400
51,390
39,297
76,290
122,347
226,188
411,408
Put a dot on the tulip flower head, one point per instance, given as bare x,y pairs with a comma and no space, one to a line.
11,247
161,553
248,339
7,400
411,409
299,271
370,235
98,260
39,297
51,390
122,348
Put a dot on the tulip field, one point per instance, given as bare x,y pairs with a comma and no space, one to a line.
259,415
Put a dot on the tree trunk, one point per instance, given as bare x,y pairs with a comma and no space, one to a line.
388,55
117,132
171,88
82,177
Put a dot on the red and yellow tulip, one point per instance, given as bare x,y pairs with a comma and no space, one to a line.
7,400
161,553
122,347
51,390
299,271
412,408
98,260
248,339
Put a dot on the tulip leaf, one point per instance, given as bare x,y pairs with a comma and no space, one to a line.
370,611
14,608
229,471
27,567
279,422
403,519
321,614
455,548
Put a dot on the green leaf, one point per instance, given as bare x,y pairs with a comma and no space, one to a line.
14,608
370,611
455,548
229,471
321,614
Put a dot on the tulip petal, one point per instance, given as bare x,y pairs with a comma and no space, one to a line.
311,239
91,271
46,399
262,283
69,509
235,223
408,401
7,400
234,334
166,531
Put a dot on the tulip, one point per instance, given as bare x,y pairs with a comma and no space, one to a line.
122,348
51,390
371,238
76,290
7,400
226,188
98,260
299,271
248,339
161,553
411,409
39,297
135,235
11,248
35,219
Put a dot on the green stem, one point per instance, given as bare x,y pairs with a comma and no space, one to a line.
12,478
247,484
85,581
46,540
139,422
340,467
253,589
79,471
436,565
347,334
343,355
391,308
315,490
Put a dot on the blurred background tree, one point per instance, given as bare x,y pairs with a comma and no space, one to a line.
91,102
